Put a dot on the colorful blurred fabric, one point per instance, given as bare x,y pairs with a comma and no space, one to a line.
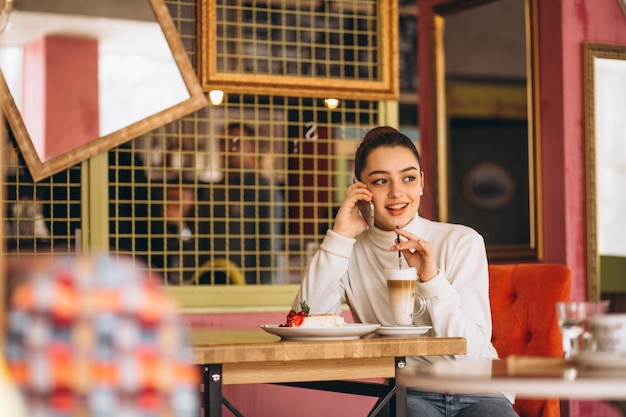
10,398
97,336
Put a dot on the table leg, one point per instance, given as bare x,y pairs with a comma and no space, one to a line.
212,395
393,404
398,408
212,398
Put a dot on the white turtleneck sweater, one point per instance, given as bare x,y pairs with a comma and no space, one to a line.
346,270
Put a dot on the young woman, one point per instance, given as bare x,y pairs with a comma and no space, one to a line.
451,263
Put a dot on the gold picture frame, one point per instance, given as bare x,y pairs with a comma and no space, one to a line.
242,50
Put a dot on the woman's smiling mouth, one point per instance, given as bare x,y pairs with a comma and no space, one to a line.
396,207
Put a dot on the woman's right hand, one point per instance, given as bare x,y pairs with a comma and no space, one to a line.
348,221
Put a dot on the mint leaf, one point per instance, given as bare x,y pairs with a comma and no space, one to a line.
305,307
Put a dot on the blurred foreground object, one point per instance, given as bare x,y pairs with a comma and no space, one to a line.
12,403
96,336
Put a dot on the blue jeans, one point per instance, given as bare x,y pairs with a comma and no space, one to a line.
427,404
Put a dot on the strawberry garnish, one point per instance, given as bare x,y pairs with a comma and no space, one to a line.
295,319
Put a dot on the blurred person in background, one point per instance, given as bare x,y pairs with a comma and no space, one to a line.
244,207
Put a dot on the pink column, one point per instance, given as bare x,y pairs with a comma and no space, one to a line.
60,93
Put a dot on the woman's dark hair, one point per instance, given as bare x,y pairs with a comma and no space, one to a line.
374,139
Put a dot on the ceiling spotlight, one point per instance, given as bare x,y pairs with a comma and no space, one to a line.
331,103
216,97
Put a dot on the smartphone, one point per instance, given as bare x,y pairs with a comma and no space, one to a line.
366,209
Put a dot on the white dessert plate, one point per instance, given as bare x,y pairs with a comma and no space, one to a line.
402,330
601,359
351,331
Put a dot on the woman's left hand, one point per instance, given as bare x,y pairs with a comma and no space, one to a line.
418,254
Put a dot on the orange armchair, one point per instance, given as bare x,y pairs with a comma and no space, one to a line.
523,299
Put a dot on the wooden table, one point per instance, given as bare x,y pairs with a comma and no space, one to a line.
252,356
529,377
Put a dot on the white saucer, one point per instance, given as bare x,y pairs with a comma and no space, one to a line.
601,359
402,330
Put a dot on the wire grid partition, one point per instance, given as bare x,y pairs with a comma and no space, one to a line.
43,216
307,38
236,194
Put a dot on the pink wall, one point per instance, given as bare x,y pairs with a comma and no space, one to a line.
60,97
426,113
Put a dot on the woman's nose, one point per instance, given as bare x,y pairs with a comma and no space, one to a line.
394,189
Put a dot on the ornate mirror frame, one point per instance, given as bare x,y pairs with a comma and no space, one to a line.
225,45
42,169
594,141
529,249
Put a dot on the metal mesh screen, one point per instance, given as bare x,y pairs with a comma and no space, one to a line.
43,216
329,39
240,193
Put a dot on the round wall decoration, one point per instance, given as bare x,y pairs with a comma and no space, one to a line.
488,185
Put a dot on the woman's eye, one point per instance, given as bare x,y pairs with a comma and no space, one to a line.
410,179
379,182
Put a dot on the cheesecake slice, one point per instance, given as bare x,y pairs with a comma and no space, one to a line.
321,320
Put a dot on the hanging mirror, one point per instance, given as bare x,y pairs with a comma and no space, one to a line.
486,136
144,76
605,89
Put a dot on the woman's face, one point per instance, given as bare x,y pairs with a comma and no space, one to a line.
394,176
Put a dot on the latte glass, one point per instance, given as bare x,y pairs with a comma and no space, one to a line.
405,302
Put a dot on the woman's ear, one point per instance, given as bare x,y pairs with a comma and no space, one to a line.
422,182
